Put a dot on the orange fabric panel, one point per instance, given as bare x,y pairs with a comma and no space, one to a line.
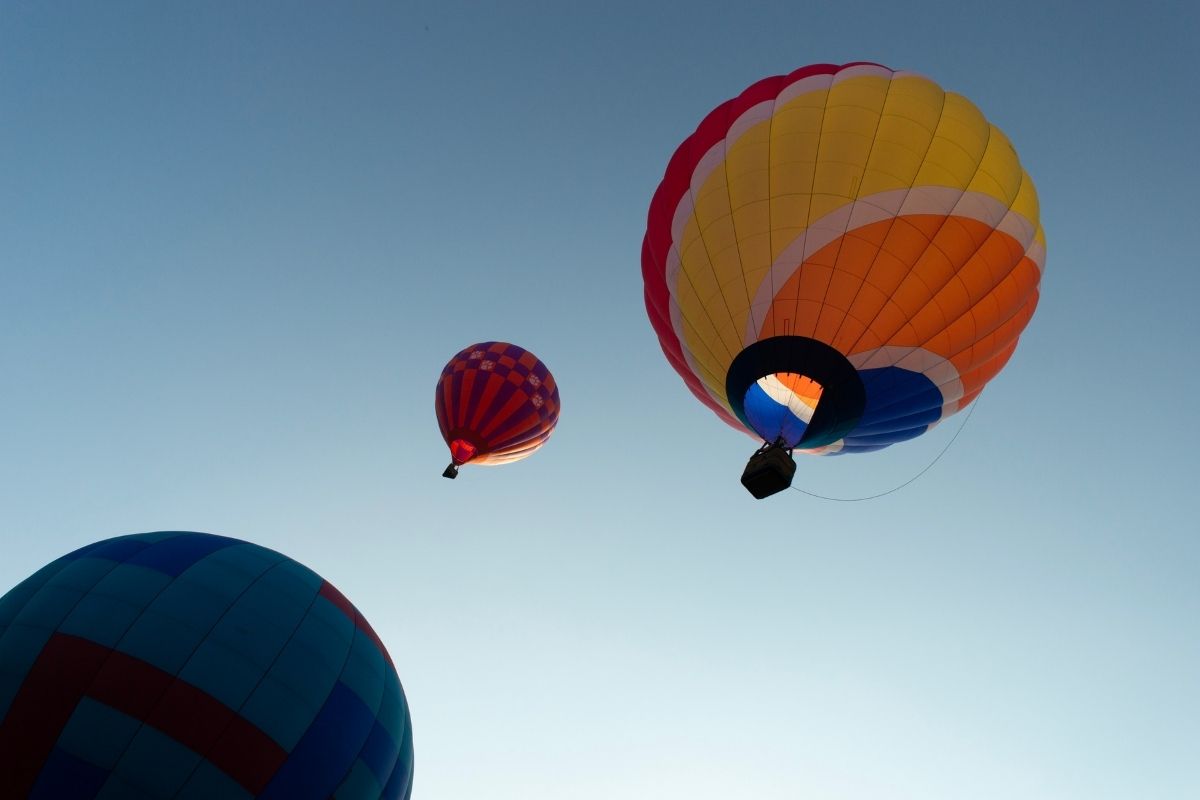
974,380
967,399
920,281
1001,340
803,387
999,311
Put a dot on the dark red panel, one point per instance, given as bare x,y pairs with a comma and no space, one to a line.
70,668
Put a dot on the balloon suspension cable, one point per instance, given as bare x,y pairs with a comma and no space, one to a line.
929,466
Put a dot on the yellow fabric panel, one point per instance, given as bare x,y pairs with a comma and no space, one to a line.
705,362
805,191
957,148
705,324
847,133
747,166
999,172
909,120
711,262
1026,204
795,131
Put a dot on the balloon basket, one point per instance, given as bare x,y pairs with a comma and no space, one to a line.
769,471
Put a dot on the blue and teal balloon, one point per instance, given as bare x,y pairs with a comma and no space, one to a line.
192,666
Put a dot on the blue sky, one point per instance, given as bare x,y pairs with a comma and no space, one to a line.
239,241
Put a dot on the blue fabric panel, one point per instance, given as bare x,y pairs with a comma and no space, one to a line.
202,602
399,786
49,607
280,712
98,733
117,788
893,392
335,624
302,676
380,752
312,661
12,603
319,763
223,672
261,621
770,419
65,777
850,449
103,620
19,648
81,575
885,439
210,783
921,419
120,549
179,619
900,405
929,399
164,640
393,709
360,784
156,763
136,585
152,537
364,671
173,556
306,581
244,560
281,592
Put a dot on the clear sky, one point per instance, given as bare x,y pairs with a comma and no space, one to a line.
238,241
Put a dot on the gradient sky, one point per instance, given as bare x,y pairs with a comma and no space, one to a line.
238,241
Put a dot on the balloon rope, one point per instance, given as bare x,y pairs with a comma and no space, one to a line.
928,467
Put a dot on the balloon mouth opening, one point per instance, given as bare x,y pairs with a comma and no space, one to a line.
462,451
780,406
796,391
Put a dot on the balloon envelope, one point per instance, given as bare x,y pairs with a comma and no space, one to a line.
841,257
191,666
495,403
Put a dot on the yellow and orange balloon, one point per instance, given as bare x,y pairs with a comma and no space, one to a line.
841,257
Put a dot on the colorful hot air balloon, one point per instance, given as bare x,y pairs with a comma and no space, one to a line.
193,666
495,403
839,258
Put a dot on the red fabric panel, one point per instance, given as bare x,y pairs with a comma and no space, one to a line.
46,700
70,668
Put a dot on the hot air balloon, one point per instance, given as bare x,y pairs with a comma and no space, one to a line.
193,666
495,403
839,258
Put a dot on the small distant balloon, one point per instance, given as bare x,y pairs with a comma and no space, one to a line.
496,403
191,666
